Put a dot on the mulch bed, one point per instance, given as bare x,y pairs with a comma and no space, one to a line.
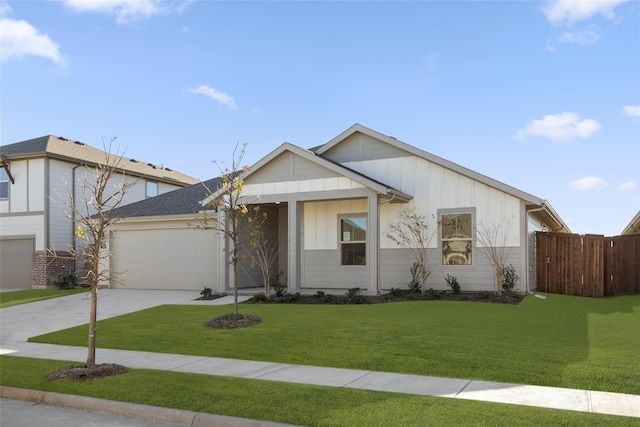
84,373
397,296
233,321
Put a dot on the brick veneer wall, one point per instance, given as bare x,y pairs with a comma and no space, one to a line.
46,268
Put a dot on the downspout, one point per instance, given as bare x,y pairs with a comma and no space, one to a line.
380,203
541,208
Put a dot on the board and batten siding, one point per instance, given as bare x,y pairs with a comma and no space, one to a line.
24,225
60,185
435,187
321,267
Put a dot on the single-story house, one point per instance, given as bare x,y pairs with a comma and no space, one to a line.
37,178
330,208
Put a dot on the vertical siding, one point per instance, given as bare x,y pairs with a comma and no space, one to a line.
320,257
36,185
435,187
60,184
19,191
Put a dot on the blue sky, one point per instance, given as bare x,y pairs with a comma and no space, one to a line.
544,96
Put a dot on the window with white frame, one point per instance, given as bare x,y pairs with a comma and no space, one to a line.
152,189
456,236
4,183
353,240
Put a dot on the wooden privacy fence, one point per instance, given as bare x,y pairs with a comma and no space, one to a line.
589,265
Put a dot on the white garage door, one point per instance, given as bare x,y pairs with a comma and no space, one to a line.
185,259
15,263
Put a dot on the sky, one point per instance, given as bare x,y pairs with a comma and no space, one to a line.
541,95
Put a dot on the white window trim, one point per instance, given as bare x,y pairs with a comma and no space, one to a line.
474,252
340,241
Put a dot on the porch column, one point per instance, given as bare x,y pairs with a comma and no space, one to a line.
293,280
373,242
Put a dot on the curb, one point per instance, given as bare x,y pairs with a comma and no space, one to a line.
132,410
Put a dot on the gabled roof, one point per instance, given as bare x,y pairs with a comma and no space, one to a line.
531,200
77,152
634,226
377,186
183,201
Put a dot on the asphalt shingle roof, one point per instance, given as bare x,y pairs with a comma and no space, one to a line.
76,151
177,202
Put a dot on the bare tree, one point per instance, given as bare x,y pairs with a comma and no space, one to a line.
412,232
263,248
493,241
102,191
228,203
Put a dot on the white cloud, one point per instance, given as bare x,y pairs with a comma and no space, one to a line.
585,38
559,127
588,183
19,38
127,11
632,110
628,187
216,95
568,12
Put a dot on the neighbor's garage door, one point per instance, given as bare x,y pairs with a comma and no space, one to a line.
15,263
165,259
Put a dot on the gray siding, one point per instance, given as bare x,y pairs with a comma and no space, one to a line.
363,147
395,272
322,270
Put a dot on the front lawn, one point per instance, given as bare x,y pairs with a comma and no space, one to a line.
292,403
560,341
24,296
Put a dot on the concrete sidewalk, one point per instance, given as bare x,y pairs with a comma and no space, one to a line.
116,301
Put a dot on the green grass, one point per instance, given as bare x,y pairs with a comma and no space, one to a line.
7,299
561,341
291,403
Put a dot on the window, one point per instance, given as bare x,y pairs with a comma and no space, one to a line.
4,184
457,238
152,189
353,241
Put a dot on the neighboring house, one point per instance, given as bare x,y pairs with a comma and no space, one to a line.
37,177
331,207
634,225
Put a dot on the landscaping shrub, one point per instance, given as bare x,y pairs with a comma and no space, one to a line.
206,292
323,297
277,285
452,282
259,298
431,294
354,296
65,281
414,284
509,278
484,295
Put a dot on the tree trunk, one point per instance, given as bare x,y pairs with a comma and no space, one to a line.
91,354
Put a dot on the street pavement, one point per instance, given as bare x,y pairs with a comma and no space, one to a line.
18,323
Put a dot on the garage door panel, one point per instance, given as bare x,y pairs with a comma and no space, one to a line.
16,257
165,259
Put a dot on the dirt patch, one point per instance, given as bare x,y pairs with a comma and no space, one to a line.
233,321
84,373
